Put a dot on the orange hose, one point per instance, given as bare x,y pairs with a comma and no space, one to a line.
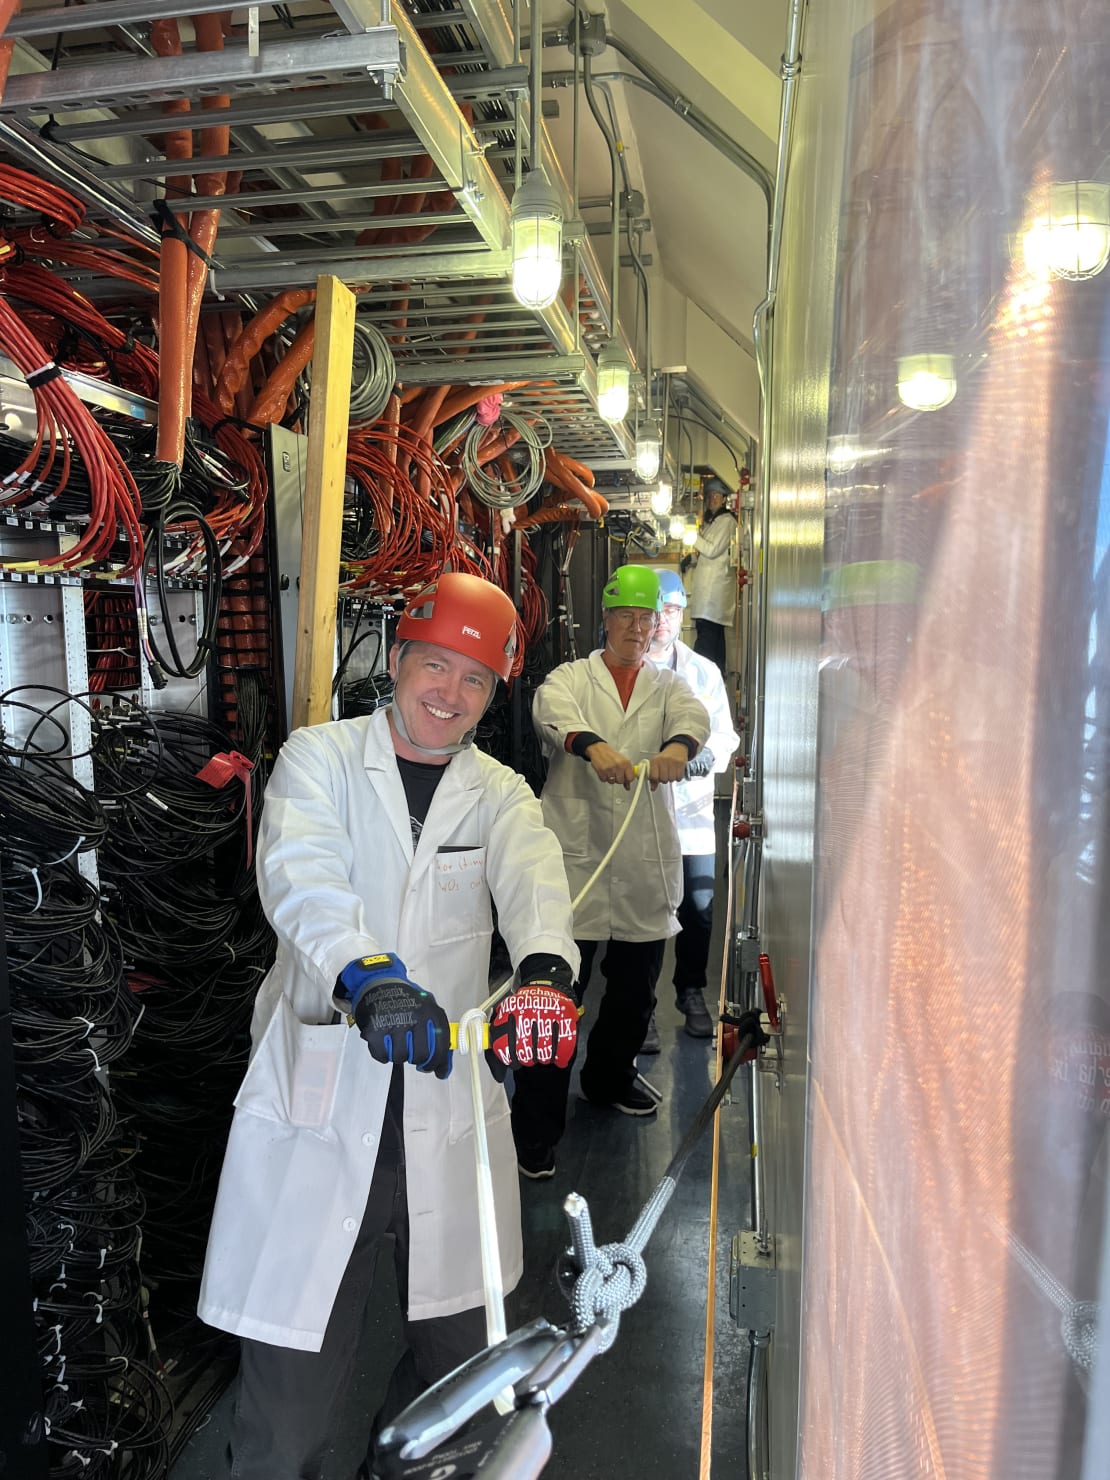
214,140
250,341
8,8
175,361
269,404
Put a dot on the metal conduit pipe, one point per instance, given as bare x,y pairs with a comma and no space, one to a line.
615,166
652,81
762,329
758,1362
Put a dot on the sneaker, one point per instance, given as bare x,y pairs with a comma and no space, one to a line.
651,1043
698,1022
636,1101
539,1166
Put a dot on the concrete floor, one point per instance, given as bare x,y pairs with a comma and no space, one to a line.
636,1411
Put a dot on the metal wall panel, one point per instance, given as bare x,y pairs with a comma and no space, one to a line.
953,641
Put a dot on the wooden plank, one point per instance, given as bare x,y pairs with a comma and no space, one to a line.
325,471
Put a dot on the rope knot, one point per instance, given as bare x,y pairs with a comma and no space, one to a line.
611,1285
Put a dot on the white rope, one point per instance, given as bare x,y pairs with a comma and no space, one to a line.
472,1043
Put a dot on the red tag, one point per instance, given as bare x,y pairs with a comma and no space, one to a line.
232,765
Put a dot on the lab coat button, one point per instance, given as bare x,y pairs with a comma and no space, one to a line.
369,1138
349,1225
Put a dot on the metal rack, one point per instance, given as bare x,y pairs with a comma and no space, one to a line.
299,97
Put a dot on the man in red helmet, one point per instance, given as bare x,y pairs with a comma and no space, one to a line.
384,842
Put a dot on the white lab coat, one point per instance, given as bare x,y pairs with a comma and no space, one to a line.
637,895
712,582
338,879
693,799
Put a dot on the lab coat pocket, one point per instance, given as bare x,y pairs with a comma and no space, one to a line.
460,901
294,1072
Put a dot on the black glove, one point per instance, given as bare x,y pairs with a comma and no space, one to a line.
537,1022
401,1022
701,764
685,563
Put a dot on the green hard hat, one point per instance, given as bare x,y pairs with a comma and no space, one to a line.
632,585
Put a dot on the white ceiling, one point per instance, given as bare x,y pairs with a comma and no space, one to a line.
708,217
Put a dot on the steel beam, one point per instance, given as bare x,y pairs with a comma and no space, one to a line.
426,102
266,228
313,154
252,200
474,369
152,79
61,20
269,273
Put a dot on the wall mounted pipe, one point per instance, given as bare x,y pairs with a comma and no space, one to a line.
762,331
614,163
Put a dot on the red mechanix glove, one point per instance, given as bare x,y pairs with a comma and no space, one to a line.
535,1024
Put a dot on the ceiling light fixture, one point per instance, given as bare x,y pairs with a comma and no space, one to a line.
537,242
648,448
662,499
614,374
536,219
677,527
927,382
1068,230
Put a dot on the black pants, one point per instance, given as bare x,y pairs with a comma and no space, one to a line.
710,643
695,915
631,971
289,1402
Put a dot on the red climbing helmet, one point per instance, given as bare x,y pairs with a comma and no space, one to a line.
466,615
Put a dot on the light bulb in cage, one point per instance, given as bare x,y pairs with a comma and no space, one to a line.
1067,230
690,533
613,376
648,449
662,499
677,527
927,382
537,242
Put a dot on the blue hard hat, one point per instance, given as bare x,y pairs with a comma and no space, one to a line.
671,590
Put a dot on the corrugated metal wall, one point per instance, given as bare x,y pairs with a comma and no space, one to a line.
937,747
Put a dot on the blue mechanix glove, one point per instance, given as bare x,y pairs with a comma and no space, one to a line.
401,1022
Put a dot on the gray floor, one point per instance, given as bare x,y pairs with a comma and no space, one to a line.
637,1410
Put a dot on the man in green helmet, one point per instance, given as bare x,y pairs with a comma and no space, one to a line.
597,718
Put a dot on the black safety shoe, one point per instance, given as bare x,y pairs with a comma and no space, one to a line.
651,1043
630,1101
538,1165
698,1022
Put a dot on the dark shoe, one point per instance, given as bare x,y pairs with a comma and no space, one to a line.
538,1166
636,1101
651,1043
630,1101
698,1022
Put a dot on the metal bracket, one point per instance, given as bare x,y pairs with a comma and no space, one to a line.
748,953
753,1282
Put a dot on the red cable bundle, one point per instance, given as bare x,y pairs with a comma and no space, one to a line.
62,417
416,535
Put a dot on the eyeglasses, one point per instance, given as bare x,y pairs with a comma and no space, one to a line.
630,616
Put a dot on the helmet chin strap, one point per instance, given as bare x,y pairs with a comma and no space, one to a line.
464,744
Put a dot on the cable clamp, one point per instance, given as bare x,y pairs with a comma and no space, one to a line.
43,375
168,225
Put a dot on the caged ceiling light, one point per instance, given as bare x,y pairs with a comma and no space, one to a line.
927,382
690,532
1067,231
662,499
677,527
648,450
614,375
537,242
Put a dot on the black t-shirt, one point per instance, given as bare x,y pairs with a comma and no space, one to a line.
420,781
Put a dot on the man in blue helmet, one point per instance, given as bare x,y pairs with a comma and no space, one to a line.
693,798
